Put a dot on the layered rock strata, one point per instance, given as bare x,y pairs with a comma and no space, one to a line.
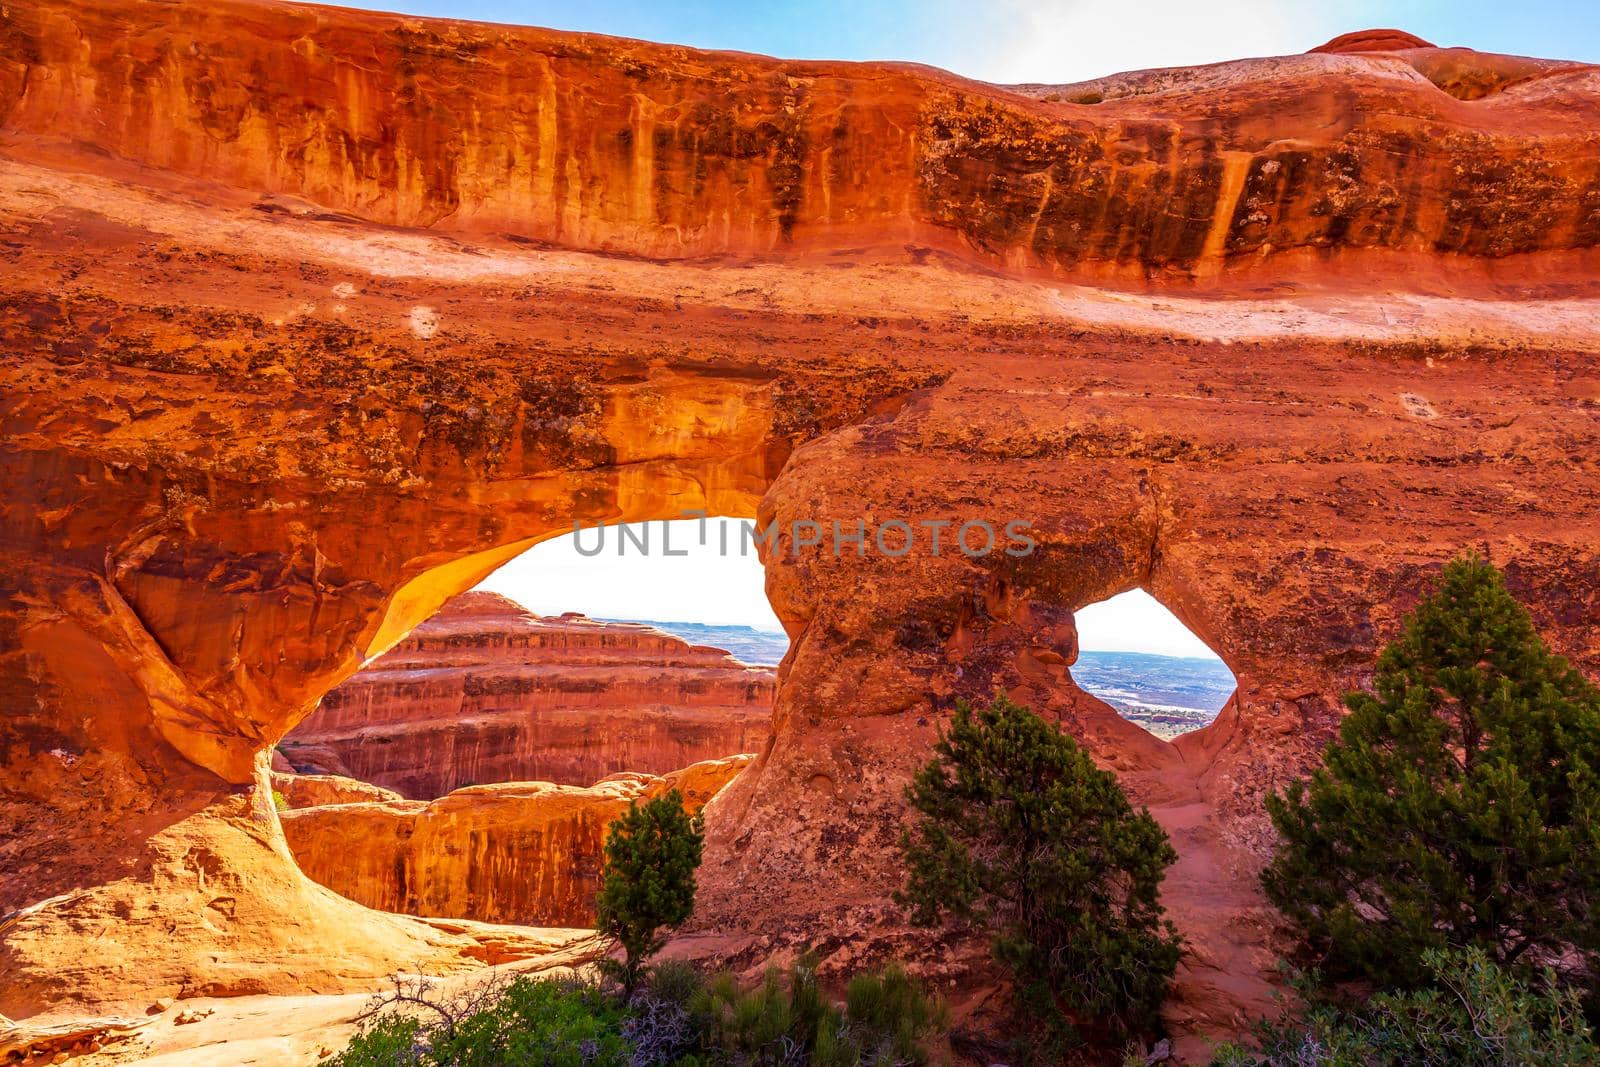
486,692
516,852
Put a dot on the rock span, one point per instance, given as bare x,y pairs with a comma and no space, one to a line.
516,852
314,790
485,692
310,318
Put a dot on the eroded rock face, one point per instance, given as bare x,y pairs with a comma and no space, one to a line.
595,142
1360,335
485,692
315,790
515,852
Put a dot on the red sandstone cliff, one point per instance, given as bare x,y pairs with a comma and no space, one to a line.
516,852
486,692
600,143
303,331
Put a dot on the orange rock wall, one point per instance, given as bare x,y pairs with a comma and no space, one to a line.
516,852
485,692
600,143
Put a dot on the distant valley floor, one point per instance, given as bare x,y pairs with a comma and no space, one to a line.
1167,695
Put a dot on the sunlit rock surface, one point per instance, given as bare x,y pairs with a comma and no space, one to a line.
517,852
314,790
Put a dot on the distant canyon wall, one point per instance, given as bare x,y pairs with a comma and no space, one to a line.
486,692
517,852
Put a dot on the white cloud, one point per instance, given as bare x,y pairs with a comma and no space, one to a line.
1067,41
624,582
1136,622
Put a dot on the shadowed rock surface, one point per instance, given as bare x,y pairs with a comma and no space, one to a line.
311,318
485,692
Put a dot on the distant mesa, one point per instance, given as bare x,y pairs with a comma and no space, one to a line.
757,648
485,691
1373,41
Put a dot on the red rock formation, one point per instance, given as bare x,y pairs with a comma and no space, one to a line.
594,142
315,790
517,852
255,428
1372,41
485,692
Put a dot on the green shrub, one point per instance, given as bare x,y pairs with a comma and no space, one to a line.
528,1020
891,1016
753,1024
886,1019
1021,834
1459,806
675,981
279,801
675,1018
647,886
1474,1013
387,1041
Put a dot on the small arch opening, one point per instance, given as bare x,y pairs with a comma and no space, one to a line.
1139,658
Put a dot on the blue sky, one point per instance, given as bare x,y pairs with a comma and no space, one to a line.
1017,40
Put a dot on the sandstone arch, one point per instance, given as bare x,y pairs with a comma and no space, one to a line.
164,775
278,379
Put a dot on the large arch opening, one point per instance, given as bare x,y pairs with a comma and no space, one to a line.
471,770
1137,656
701,579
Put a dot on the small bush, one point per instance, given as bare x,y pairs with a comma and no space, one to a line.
1475,1014
891,1016
886,1019
1458,806
663,1024
1021,835
647,886
542,1022
675,1018
675,981
387,1041
528,1020
279,801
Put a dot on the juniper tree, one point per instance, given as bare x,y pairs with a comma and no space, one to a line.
1019,834
1458,806
647,886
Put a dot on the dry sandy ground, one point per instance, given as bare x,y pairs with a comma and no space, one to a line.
251,1031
